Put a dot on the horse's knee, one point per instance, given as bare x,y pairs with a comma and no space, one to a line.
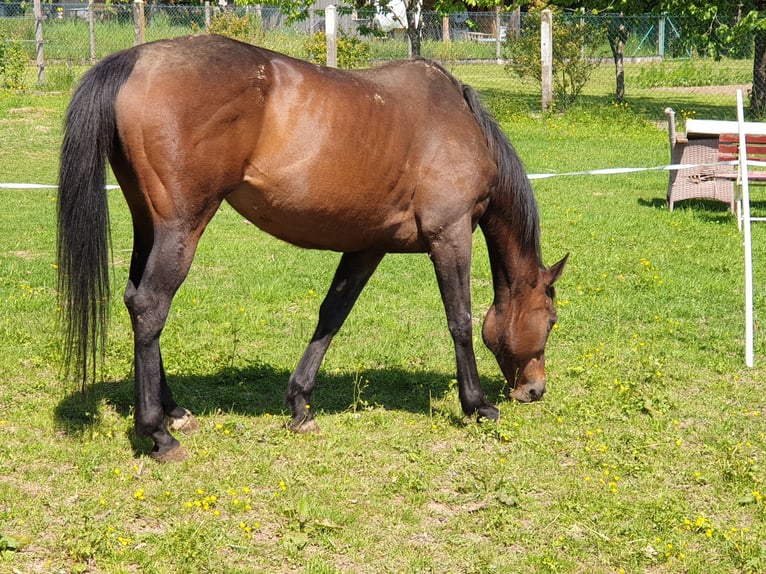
461,330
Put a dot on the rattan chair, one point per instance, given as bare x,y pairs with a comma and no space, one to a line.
701,180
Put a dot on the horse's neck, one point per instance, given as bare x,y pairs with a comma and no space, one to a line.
515,266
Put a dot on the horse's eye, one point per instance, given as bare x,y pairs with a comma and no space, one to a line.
551,293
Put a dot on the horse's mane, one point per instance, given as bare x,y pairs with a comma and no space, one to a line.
513,196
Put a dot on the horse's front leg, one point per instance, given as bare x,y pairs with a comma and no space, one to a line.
451,256
354,270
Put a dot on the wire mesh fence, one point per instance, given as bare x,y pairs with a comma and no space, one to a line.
77,34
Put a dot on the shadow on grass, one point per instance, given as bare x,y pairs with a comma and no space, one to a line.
704,209
259,389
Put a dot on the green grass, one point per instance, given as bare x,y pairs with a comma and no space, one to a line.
646,455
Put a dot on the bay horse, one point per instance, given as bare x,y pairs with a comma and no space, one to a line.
398,158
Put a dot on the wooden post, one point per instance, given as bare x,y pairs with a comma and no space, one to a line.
208,18
139,24
92,31
515,25
445,30
546,56
498,40
330,29
38,8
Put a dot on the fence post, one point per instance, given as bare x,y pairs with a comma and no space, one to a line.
92,31
546,56
139,24
39,41
514,27
207,16
330,25
498,39
661,36
445,30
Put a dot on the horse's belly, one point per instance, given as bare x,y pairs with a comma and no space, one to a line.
314,225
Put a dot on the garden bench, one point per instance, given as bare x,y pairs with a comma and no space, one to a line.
704,146
483,37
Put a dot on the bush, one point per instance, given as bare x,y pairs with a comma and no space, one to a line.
352,52
13,64
240,28
572,62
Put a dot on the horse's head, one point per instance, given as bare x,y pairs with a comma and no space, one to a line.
517,330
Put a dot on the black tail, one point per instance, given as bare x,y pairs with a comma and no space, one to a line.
83,215
514,196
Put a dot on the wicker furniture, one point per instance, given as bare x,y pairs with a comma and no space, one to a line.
703,180
706,144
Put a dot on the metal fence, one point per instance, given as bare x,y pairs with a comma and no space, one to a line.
79,33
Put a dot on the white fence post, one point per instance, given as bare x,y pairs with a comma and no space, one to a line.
546,55
748,238
330,29
498,36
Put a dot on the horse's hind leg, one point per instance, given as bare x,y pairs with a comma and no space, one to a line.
353,272
161,260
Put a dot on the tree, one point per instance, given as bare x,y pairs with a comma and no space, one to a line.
615,31
572,63
726,28
713,28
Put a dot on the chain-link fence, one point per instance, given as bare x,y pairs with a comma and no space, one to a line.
79,32
70,35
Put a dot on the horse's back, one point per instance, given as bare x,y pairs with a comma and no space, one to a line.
316,156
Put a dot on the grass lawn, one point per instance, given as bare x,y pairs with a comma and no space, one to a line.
646,455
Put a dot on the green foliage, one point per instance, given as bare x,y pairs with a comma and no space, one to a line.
242,28
719,29
690,73
352,51
572,65
60,77
13,64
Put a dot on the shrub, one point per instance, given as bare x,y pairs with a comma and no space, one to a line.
572,62
13,64
240,28
352,52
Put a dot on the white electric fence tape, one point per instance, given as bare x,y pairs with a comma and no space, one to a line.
39,186
605,171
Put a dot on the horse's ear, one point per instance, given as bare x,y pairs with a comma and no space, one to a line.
554,272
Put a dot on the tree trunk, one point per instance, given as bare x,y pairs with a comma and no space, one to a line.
617,38
414,26
758,95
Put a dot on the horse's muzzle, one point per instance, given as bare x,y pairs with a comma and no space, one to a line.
529,392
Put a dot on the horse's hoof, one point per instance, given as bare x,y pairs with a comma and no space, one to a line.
186,424
488,412
177,454
309,426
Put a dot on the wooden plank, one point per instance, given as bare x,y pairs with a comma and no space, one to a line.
728,147
750,138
